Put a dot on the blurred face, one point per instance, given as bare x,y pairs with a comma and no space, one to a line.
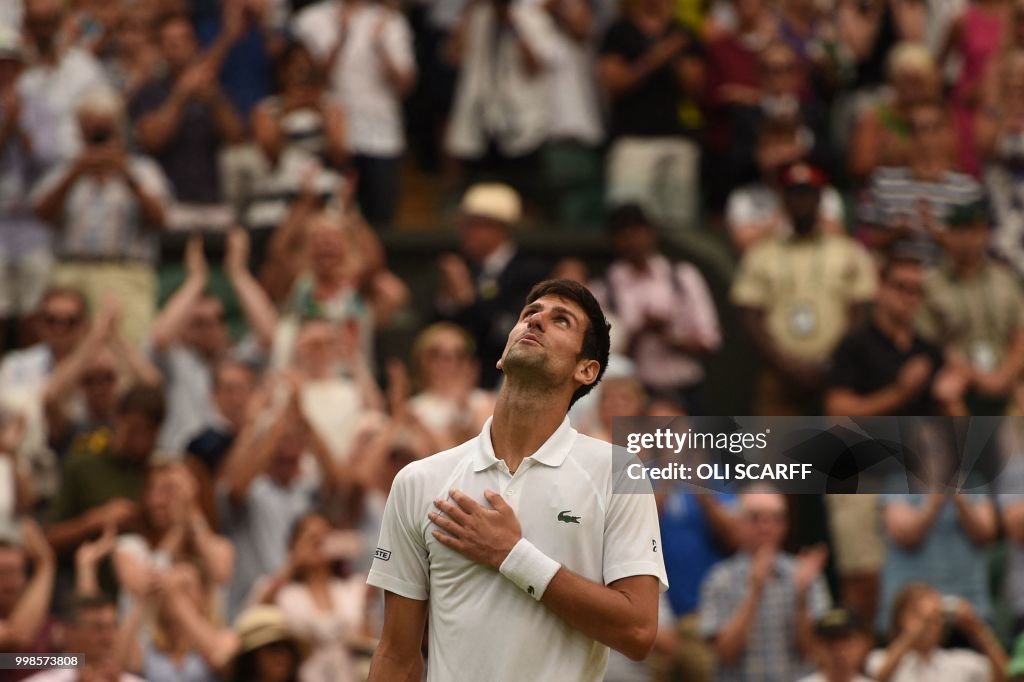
620,398
275,662
929,132
309,543
899,297
134,437
316,348
133,32
748,11
42,22
327,247
763,521
780,72
801,204
444,357
914,87
925,612
12,579
573,269
62,323
178,44
99,385
206,331
966,245
98,128
95,633
234,386
634,243
840,657
284,465
480,237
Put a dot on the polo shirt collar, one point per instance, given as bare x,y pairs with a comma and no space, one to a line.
552,453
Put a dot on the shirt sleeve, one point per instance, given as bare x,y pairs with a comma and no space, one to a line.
632,538
400,564
863,280
701,318
752,286
398,43
844,372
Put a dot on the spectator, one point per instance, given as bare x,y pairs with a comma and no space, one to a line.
102,483
921,615
81,394
366,49
262,491
233,385
25,256
25,599
840,648
173,527
183,119
698,530
664,308
913,201
754,212
652,69
881,135
448,401
799,297
483,289
919,529
973,304
108,208
16,485
999,134
976,36
868,33
135,57
190,336
758,607
298,129
571,155
1010,500
320,607
91,631
53,86
500,116
618,396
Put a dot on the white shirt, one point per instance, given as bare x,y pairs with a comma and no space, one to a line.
574,104
818,677
327,631
758,202
50,97
72,675
483,627
373,110
955,665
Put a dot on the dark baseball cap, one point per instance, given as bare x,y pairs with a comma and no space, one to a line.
837,624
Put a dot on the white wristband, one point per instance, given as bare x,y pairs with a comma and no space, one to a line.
529,568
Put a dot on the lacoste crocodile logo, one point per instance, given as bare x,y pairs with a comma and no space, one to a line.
564,517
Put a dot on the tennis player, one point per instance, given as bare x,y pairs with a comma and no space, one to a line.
519,545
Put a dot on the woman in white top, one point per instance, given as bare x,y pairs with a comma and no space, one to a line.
325,610
448,403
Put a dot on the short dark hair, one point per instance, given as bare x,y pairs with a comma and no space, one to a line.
149,402
596,337
87,602
625,216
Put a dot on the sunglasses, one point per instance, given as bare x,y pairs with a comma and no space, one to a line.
55,320
758,516
98,378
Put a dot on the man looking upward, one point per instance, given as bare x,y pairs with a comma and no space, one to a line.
526,520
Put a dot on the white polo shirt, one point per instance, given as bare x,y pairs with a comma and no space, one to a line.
483,627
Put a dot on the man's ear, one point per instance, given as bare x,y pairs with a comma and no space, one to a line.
499,363
587,371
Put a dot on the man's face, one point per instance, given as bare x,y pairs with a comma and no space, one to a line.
802,204
547,341
780,73
178,44
95,632
840,657
634,243
929,132
899,297
99,384
99,129
479,237
62,323
284,465
234,386
134,436
42,22
763,521
316,348
966,244
12,578
206,331
925,616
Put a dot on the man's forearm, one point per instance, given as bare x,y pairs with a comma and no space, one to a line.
847,403
156,130
731,639
804,626
603,613
387,667
64,535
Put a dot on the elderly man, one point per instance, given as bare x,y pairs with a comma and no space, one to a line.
758,608
108,207
483,289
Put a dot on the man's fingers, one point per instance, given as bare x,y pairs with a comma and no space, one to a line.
465,502
446,524
453,511
448,541
497,501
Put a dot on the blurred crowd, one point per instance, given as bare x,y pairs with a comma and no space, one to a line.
195,451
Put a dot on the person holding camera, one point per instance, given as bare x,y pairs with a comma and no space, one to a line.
921,617
108,207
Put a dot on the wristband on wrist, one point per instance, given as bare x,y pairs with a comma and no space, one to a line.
529,568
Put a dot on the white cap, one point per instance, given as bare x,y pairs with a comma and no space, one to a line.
494,201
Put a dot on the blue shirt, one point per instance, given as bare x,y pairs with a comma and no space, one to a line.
690,547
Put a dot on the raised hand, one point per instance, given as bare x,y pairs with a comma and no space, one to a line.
195,260
236,252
